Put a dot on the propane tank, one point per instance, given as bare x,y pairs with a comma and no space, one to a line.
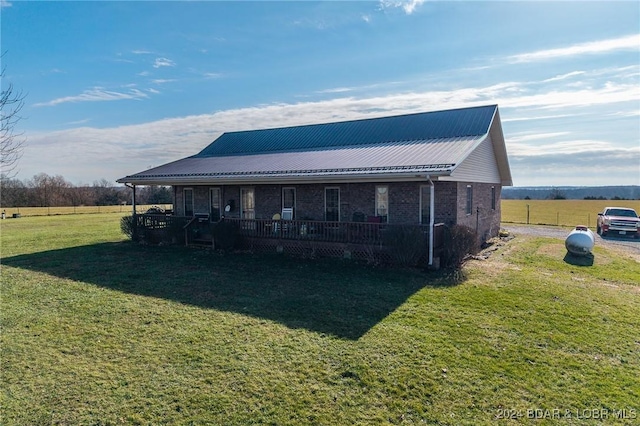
580,241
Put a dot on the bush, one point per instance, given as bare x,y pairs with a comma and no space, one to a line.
127,225
459,242
225,235
406,244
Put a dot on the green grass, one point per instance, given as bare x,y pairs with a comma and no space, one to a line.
560,212
54,211
98,330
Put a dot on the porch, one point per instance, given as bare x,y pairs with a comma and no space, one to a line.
382,242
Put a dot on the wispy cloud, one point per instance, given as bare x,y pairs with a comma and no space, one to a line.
5,3
212,75
97,94
163,62
536,136
141,52
563,76
335,90
163,80
409,6
631,42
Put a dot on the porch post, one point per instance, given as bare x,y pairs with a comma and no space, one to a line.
133,214
431,218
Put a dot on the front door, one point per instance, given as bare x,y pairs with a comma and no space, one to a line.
247,203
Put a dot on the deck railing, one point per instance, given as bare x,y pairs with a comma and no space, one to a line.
338,232
371,234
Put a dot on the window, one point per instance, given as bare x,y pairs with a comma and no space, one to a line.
382,202
332,204
493,198
188,201
425,204
289,200
215,204
247,203
469,208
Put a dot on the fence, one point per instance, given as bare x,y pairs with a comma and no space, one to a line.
559,212
52,211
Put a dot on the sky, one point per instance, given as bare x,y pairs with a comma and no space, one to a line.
114,88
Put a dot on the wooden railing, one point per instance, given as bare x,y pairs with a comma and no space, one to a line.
336,232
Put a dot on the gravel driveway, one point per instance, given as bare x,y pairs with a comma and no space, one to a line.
627,245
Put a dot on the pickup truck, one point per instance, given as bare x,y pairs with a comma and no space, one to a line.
620,220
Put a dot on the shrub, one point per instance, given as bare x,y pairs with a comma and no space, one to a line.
459,242
127,225
406,244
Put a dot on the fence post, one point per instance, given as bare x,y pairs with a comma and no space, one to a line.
527,214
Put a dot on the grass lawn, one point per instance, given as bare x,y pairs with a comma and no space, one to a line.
98,330
560,212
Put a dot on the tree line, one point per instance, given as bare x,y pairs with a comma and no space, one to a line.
44,190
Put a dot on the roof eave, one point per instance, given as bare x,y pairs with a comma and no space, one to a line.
409,176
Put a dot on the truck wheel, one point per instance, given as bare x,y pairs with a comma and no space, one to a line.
598,230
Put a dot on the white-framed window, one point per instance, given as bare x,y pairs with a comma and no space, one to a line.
425,204
493,198
332,204
187,196
247,203
289,200
382,202
215,204
469,207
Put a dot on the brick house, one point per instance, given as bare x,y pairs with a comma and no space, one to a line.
415,170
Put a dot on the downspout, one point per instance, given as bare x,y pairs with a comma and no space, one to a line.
431,218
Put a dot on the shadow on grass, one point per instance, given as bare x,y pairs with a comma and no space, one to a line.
572,259
325,295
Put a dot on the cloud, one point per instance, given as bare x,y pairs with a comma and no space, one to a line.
141,52
535,136
212,75
631,42
563,76
409,6
118,151
163,62
163,80
5,3
97,94
336,90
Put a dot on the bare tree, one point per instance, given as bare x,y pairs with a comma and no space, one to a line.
11,143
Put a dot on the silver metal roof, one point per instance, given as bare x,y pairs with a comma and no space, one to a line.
334,151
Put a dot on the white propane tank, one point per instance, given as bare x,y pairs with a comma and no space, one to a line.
580,241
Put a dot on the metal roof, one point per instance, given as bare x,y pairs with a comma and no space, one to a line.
410,127
433,143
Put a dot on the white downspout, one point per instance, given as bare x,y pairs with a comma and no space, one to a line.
431,218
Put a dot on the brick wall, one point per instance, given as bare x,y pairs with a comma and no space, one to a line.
404,202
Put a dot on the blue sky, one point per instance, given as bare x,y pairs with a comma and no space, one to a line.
116,87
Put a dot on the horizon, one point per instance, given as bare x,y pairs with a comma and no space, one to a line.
114,88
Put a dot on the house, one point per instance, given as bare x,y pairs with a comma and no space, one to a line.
415,169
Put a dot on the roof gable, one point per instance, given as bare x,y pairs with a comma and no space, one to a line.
466,122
